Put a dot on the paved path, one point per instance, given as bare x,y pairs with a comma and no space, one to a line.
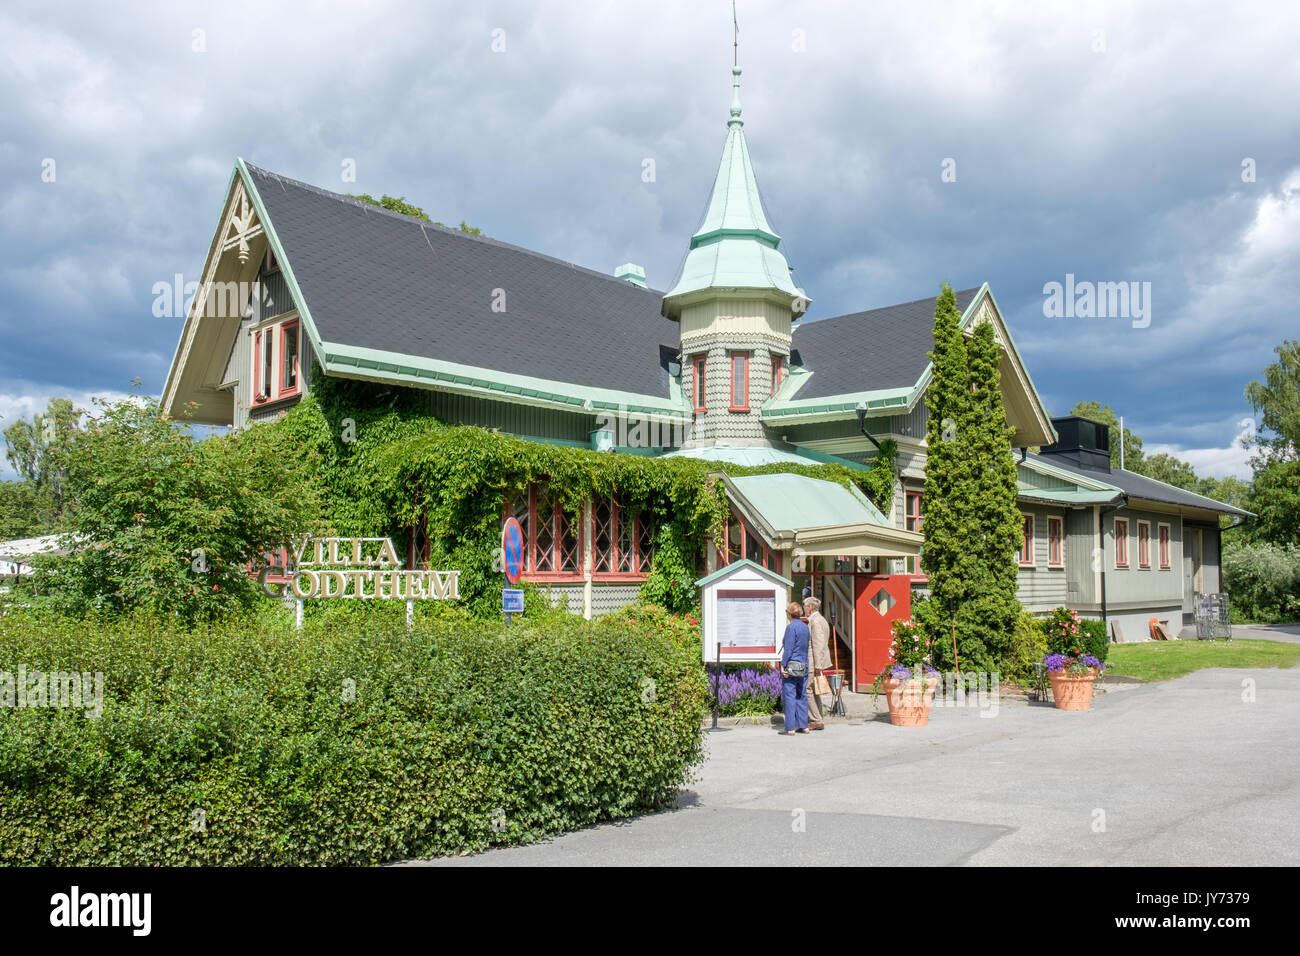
1180,772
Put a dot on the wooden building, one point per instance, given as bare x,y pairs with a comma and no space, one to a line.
719,367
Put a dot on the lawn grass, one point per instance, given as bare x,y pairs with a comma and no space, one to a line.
1165,660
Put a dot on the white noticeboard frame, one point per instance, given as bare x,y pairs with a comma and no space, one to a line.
743,613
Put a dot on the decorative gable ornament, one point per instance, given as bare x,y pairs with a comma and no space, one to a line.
243,227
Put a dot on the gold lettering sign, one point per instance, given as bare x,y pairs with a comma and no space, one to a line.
362,568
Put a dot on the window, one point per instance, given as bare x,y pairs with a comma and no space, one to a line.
277,361
1144,544
743,541
1121,542
621,542
914,511
262,365
552,539
739,382
1055,552
289,364
1164,546
700,404
912,520
1027,548
777,368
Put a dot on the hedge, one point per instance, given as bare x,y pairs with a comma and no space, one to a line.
351,742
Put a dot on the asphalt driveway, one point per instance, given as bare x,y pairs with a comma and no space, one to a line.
1202,771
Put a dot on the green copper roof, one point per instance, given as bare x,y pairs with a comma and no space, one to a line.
735,246
757,456
791,502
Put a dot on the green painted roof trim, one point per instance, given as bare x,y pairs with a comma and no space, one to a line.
703,239
836,406
1080,496
736,565
417,370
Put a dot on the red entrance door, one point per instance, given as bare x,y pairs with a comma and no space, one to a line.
878,601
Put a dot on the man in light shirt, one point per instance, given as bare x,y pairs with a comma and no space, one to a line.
819,652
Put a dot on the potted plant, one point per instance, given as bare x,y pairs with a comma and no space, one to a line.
908,680
1071,669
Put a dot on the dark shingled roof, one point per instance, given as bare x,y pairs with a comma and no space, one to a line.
1140,486
381,280
865,351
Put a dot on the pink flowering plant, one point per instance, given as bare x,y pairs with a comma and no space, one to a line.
909,656
1066,647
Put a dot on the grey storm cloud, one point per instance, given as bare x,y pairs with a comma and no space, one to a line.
1102,140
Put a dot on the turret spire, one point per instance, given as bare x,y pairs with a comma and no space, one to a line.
735,99
735,246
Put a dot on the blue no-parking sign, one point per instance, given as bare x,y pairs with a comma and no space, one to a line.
512,549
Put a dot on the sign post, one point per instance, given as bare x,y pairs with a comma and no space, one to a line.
512,559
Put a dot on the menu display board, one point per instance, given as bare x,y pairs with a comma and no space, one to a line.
745,622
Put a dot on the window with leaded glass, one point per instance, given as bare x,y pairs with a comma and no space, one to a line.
626,536
602,536
543,545
645,542
570,543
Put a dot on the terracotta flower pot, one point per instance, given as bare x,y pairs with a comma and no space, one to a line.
1072,693
909,700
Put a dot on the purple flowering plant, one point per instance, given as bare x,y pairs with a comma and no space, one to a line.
909,657
751,692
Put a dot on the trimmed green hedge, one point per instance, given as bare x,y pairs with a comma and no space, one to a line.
1095,638
353,742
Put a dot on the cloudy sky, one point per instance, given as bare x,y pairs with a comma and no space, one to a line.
897,146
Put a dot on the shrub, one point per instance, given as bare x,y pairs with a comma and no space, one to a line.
350,742
1029,646
1263,581
1096,641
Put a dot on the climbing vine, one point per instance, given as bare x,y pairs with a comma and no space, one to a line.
387,465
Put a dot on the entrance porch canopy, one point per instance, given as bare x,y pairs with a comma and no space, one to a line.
811,516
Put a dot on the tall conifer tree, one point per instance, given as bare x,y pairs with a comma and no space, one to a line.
972,526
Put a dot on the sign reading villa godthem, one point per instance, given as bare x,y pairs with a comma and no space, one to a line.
364,568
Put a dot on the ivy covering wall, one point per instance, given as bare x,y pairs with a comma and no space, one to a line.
387,465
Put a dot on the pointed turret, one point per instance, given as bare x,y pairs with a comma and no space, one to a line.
735,248
734,304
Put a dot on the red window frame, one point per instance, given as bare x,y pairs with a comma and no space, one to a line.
558,523
285,327
912,510
260,340
617,564
1121,542
1144,544
778,367
740,548
913,520
1165,555
731,363
1027,546
701,399
1055,541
